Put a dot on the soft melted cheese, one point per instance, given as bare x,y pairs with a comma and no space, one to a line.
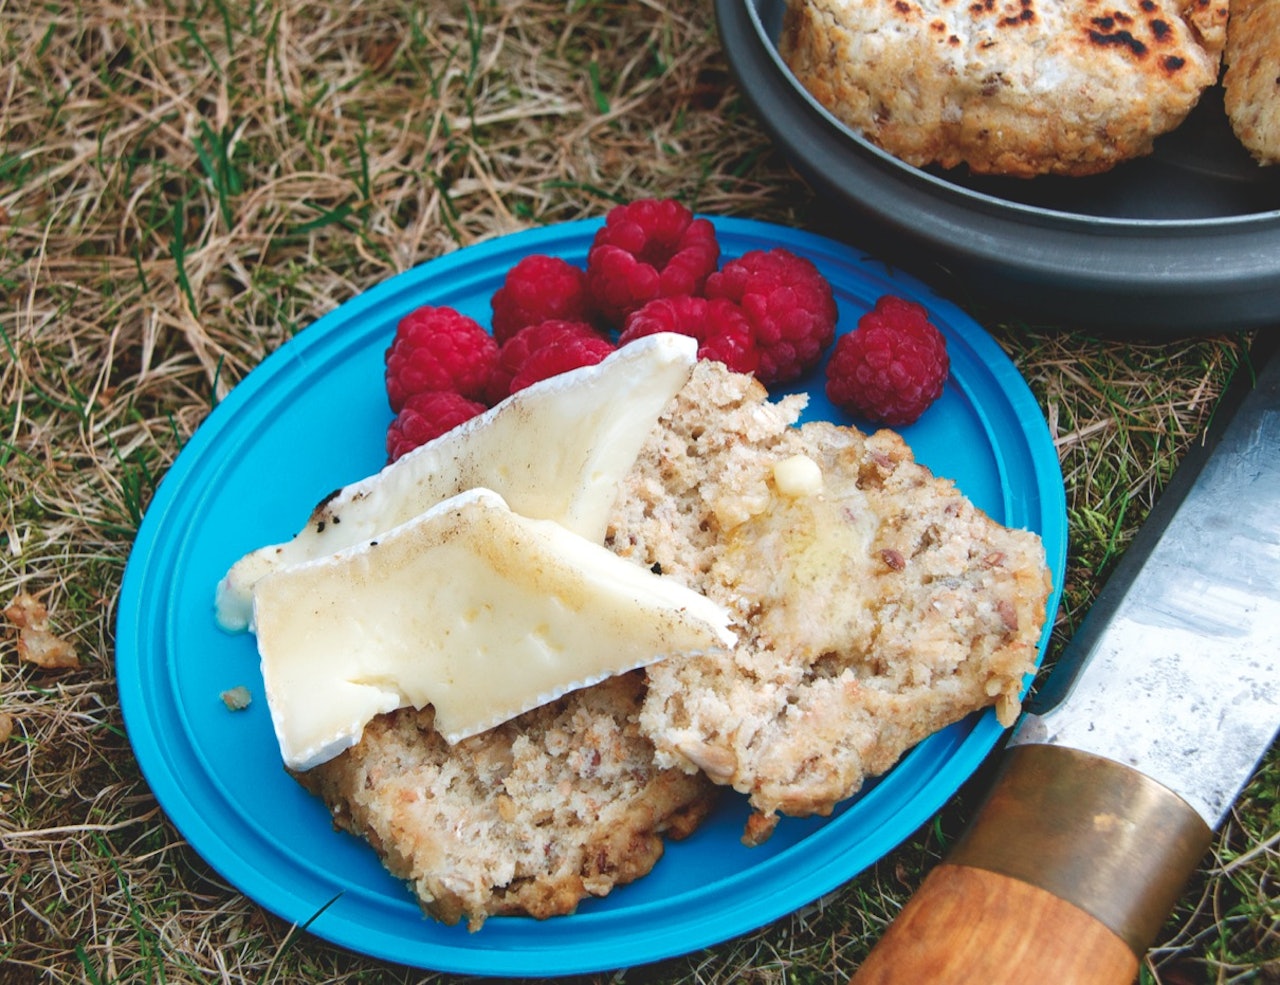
469,607
555,451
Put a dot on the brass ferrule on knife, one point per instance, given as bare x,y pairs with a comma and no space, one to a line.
1091,831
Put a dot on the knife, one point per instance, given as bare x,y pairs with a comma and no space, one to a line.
1148,728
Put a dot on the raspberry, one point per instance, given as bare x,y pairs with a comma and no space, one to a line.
427,415
789,304
515,351
892,366
569,351
649,248
539,288
718,324
438,349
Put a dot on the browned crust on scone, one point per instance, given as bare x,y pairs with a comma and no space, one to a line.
1252,79
1011,87
562,803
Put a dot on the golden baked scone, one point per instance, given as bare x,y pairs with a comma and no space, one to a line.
874,604
1251,82
1011,87
531,817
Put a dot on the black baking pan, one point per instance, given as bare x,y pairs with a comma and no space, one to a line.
1183,241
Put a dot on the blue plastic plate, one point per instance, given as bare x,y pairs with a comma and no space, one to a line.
311,418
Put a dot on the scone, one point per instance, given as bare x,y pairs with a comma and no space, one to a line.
1010,87
1251,82
531,817
874,604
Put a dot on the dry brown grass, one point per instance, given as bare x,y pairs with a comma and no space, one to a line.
183,187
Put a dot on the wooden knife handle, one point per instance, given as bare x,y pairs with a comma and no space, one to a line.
1065,875
972,925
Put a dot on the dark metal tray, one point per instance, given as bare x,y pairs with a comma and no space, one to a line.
1186,240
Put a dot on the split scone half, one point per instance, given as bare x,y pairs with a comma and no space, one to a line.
531,817
873,603
1009,87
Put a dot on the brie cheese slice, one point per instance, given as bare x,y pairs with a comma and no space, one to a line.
470,607
555,451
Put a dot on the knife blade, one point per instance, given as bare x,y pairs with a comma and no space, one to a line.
1151,723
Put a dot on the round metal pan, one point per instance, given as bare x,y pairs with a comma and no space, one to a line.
1184,241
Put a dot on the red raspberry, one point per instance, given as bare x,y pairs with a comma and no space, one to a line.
515,351
892,367
427,415
789,304
570,351
718,324
539,288
439,349
649,248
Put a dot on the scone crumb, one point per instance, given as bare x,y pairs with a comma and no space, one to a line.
236,698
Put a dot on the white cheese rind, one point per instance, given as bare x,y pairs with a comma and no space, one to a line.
554,451
469,607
